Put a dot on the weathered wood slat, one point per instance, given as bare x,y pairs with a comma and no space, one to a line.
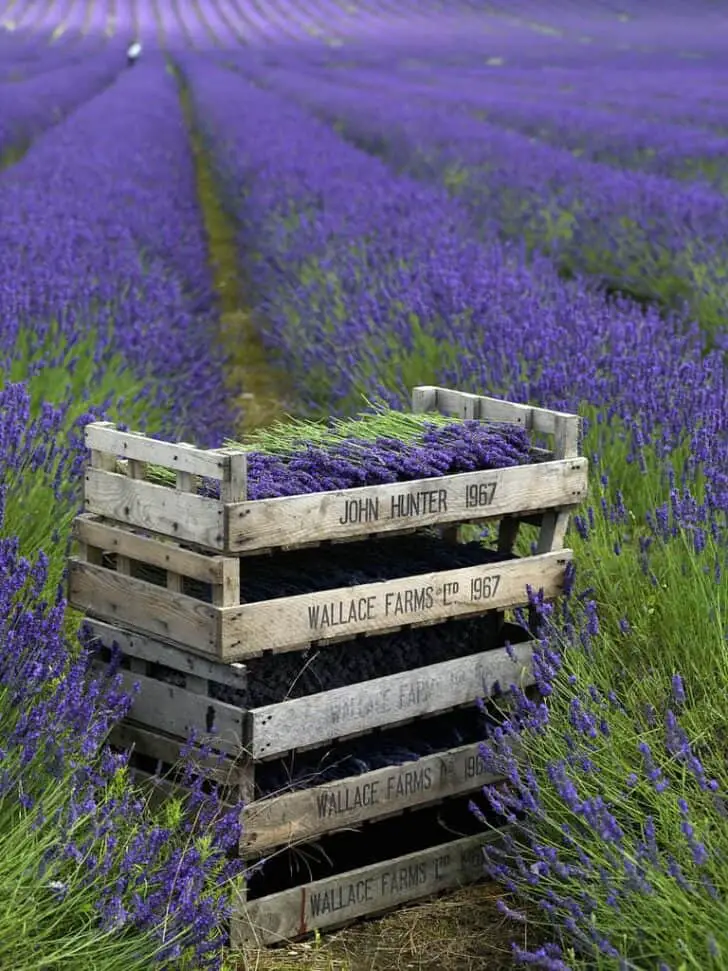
155,551
289,623
462,404
156,789
174,710
469,497
346,514
181,457
320,718
294,622
179,515
449,402
143,606
166,749
298,817
303,815
337,900
177,658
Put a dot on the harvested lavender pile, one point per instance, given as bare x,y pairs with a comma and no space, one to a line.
293,675
307,457
278,677
327,568
394,747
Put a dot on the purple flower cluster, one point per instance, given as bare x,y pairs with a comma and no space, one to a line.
589,132
645,234
616,809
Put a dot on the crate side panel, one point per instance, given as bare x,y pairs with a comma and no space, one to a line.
177,712
180,457
542,420
148,649
144,606
167,750
162,553
297,817
317,719
471,496
179,515
294,622
358,893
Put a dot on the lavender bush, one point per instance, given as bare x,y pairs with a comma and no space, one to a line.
93,328
94,881
641,233
617,777
30,106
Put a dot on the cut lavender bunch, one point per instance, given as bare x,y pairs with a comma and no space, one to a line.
459,446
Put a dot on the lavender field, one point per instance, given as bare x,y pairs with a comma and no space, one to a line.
285,207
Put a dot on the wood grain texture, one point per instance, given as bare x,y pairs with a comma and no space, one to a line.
166,749
142,606
295,622
155,552
298,817
468,497
321,718
179,515
358,893
105,437
288,623
459,403
155,651
167,708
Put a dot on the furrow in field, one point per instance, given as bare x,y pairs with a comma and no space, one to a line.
266,392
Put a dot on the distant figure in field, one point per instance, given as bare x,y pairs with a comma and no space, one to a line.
133,52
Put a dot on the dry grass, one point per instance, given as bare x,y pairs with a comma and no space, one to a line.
460,931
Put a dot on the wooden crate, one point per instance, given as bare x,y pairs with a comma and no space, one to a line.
332,902
236,631
163,714
185,630
548,488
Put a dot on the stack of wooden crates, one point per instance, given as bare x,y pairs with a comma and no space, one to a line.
206,641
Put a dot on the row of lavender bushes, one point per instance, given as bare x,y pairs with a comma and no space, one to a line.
655,237
120,327
370,280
